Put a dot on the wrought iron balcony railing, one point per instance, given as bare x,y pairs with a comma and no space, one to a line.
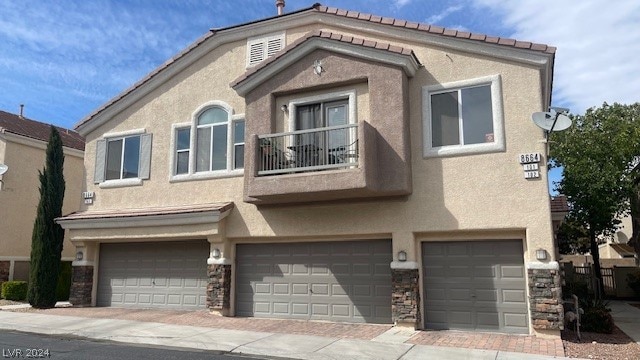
326,148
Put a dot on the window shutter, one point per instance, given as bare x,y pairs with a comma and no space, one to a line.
273,46
101,157
145,156
256,53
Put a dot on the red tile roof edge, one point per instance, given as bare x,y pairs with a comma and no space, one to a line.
559,203
152,211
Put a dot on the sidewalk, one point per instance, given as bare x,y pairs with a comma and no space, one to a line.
390,344
627,318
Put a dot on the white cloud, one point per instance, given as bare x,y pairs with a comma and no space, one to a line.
400,3
598,45
435,19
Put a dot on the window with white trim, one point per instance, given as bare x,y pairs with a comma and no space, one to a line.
238,144
183,149
122,157
464,117
211,146
260,48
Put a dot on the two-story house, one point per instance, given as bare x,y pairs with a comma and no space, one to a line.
23,144
327,164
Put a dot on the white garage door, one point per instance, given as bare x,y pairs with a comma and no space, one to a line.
476,285
160,274
336,281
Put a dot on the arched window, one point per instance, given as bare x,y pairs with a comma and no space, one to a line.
211,139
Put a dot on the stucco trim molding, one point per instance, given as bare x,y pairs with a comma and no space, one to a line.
404,265
552,265
220,261
408,63
131,220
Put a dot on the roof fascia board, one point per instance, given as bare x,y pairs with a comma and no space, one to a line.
38,144
206,217
407,62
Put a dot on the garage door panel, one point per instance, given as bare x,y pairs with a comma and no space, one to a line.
171,274
512,271
475,285
337,281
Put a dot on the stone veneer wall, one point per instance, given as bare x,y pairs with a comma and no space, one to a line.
219,288
545,299
81,285
405,293
4,271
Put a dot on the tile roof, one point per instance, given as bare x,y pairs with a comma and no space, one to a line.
559,204
623,249
15,124
432,29
326,35
317,7
151,211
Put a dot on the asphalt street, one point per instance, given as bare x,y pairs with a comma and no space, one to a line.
18,345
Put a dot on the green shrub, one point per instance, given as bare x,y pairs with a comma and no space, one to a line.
597,318
14,290
633,280
64,282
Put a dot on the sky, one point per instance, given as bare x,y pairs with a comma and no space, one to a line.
63,59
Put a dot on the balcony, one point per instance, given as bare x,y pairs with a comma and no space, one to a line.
323,164
320,149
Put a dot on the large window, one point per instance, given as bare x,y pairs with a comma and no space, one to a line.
123,159
211,146
463,117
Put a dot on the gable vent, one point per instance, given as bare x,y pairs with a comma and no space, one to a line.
260,48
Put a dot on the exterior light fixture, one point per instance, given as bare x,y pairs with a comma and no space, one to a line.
541,254
284,108
402,255
317,67
216,253
79,255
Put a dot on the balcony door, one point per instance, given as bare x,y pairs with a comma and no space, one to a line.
316,147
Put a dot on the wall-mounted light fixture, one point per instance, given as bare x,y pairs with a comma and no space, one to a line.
317,67
402,255
541,254
79,255
216,253
284,108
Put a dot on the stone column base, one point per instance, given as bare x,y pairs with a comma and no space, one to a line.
81,285
545,299
405,297
219,289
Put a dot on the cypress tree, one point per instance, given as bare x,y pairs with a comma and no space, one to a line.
47,237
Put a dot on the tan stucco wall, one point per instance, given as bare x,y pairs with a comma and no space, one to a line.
20,195
466,197
469,194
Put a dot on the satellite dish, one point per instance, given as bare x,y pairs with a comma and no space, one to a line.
3,169
551,121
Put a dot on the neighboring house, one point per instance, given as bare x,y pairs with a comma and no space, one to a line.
617,247
23,144
330,165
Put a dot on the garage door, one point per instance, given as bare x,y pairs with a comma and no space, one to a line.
476,285
168,275
336,281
